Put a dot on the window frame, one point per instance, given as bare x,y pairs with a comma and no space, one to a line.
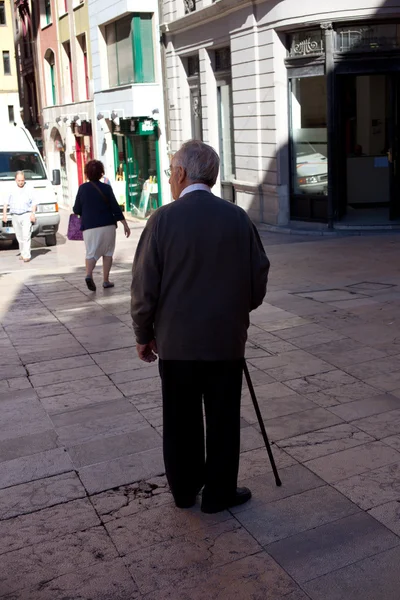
137,52
47,12
3,5
5,73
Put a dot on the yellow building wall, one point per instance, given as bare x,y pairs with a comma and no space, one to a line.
81,20
63,29
8,83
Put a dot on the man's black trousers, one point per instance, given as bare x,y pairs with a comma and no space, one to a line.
189,463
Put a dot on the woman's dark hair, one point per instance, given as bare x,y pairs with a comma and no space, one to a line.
94,170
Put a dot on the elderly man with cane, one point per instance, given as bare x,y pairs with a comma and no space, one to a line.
199,270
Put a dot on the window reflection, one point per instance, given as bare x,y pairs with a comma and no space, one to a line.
309,136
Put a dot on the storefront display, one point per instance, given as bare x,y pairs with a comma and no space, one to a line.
344,90
136,159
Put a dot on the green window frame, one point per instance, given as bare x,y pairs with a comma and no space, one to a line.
135,65
47,11
143,47
53,84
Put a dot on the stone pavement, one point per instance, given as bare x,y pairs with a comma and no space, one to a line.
85,511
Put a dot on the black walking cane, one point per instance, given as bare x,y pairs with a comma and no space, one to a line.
261,423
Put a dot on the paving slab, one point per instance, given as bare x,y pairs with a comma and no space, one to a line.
35,466
324,441
59,364
256,462
381,425
47,524
72,552
135,532
73,401
35,419
353,461
369,579
115,446
70,386
108,580
373,487
295,480
94,412
172,562
26,445
127,500
42,493
359,409
389,515
74,374
276,407
288,426
122,470
250,577
97,429
314,553
301,512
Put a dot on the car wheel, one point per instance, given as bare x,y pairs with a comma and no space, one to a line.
51,240
14,244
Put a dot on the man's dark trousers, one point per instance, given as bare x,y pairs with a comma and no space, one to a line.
184,386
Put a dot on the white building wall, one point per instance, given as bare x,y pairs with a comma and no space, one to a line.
133,100
255,33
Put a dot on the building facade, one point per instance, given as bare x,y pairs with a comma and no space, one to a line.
128,99
66,90
301,99
9,96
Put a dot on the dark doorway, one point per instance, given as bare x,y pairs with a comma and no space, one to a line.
367,149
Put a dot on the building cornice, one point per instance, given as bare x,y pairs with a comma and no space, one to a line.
217,10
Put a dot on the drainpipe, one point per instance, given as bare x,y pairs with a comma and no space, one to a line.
164,74
330,80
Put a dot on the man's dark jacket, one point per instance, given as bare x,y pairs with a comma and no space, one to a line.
199,269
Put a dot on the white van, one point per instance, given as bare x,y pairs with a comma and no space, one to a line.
18,152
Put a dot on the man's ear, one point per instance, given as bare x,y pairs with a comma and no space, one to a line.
181,174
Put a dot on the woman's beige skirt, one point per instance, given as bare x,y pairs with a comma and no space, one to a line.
99,241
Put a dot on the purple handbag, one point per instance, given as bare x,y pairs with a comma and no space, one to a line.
74,228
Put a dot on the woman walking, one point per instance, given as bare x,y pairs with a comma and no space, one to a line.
99,211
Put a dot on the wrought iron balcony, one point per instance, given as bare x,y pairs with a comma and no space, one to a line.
190,6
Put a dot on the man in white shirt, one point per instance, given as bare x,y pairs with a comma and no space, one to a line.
22,210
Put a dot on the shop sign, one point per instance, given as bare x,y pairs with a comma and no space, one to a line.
306,43
372,38
146,127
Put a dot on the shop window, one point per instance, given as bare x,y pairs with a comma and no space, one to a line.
226,146
309,140
6,62
50,78
222,70
136,165
2,13
130,50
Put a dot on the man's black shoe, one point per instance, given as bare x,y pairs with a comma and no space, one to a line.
242,496
185,502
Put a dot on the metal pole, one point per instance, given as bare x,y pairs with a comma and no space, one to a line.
261,423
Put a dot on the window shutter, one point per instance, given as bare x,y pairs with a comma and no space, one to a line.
143,49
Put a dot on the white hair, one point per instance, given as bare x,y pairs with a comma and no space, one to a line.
200,161
19,173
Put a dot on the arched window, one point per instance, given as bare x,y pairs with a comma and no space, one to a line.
50,77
